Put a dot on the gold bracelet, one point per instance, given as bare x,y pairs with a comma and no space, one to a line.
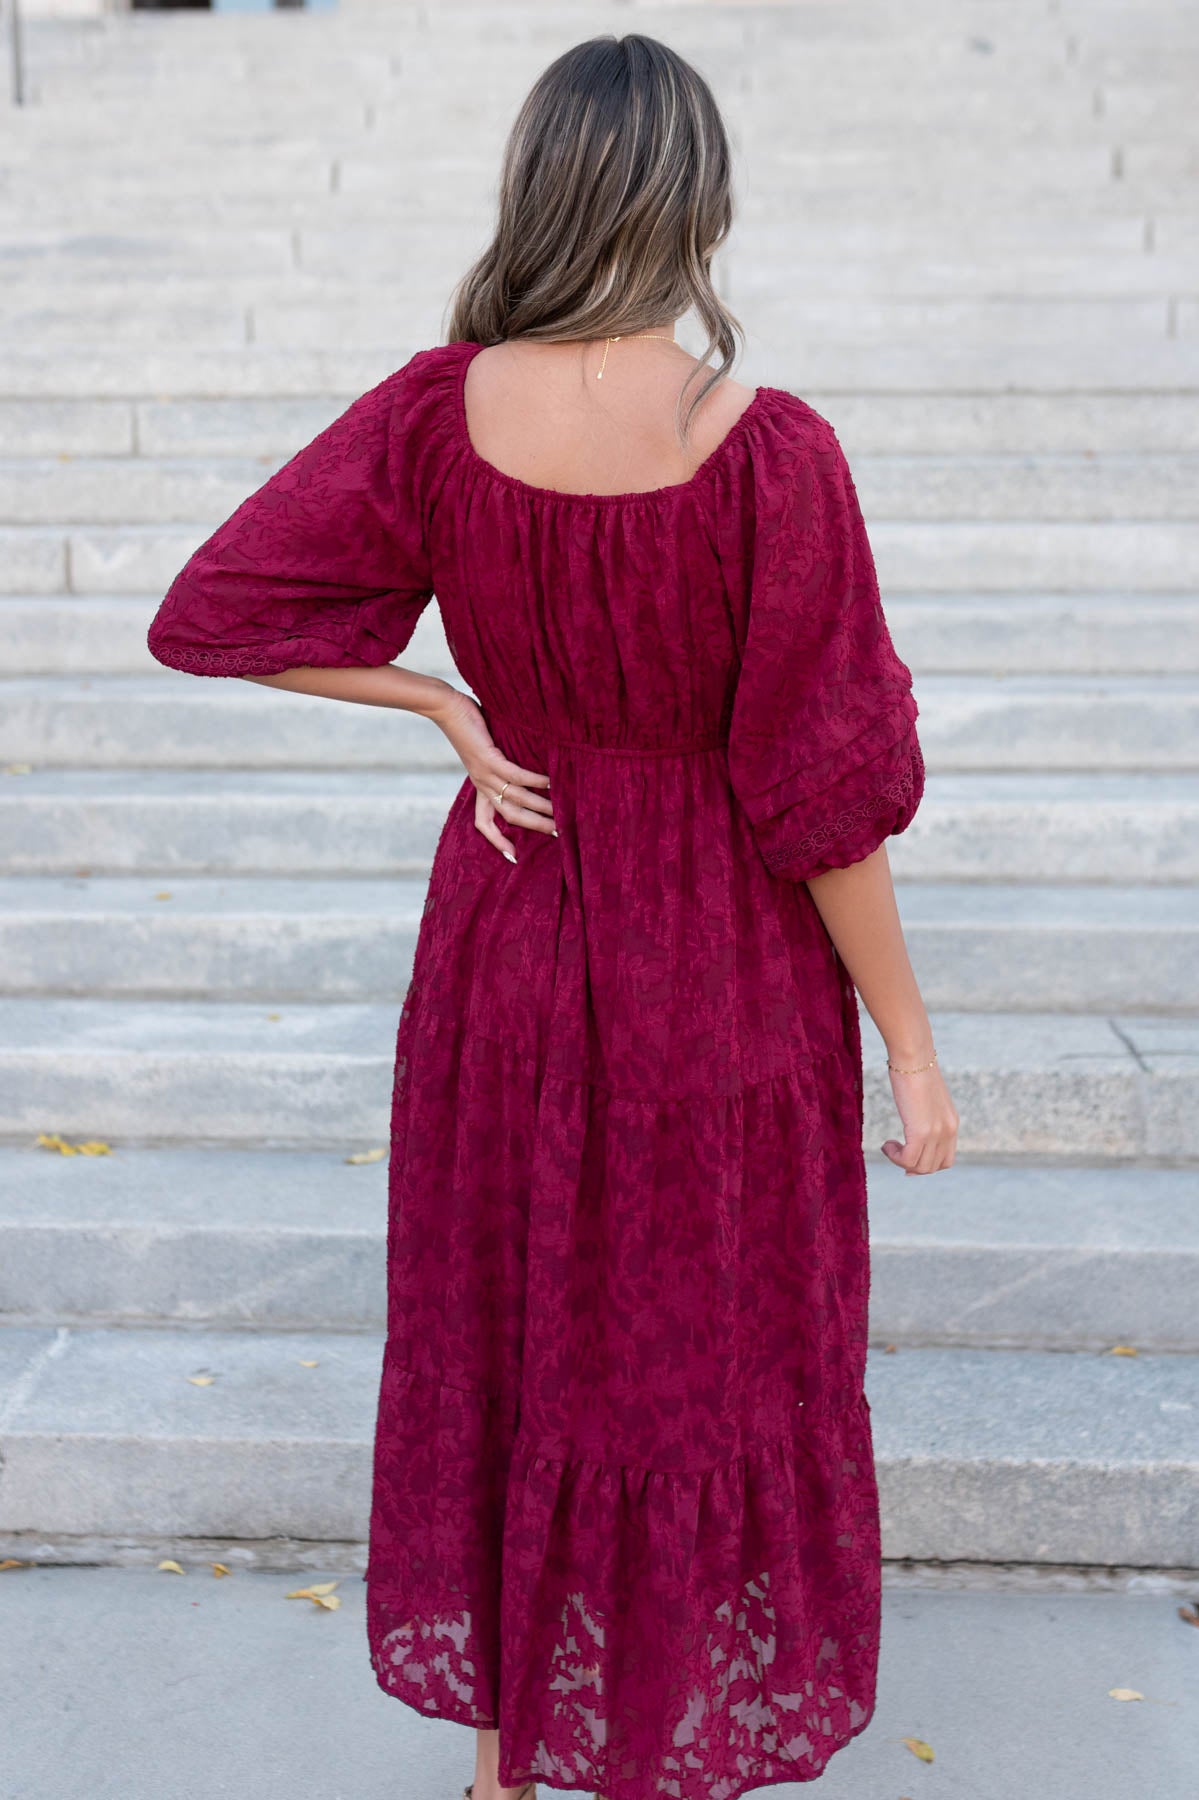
919,1071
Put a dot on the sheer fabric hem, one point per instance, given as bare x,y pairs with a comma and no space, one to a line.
647,1635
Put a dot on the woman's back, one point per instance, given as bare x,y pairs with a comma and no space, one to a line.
594,419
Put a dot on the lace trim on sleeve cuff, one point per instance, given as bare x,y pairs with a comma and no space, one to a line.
895,797
223,662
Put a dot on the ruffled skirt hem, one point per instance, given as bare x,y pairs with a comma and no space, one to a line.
647,1634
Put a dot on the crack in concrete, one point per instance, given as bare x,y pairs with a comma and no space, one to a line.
27,1380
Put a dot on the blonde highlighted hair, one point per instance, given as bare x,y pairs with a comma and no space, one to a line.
615,192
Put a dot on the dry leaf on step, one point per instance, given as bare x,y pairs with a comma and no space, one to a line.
1189,1615
321,1592
50,1140
919,1748
1123,1350
367,1156
10,1562
220,1569
1125,1694
172,1568
201,1380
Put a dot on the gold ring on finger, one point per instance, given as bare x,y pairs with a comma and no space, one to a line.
500,795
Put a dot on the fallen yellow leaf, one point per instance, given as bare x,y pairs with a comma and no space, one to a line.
367,1156
50,1140
919,1748
18,768
219,1569
1125,1694
165,895
308,1364
1123,1350
172,1567
274,1016
201,1380
321,1592
1189,1615
10,1562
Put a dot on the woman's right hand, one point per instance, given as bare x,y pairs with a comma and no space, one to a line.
930,1122
524,800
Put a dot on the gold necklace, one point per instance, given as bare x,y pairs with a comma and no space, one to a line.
657,337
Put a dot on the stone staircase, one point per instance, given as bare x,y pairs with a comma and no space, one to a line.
966,236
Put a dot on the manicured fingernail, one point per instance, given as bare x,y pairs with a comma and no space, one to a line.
553,833
511,855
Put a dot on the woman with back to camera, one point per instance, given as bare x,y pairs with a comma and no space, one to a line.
624,1518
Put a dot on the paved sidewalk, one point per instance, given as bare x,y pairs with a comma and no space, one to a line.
237,1691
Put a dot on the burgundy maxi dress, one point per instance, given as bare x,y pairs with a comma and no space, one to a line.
624,1502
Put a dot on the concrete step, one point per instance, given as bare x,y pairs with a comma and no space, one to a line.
126,490
847,175
991,828
315,1075
1028,634
1113,488
1030,722
982,328
850,100
59,428
240,1652
995,1255
961,634
1017,424
869,424
130,721
864,226
855,337
338,190
922,556
877,424
979,947
242,938
840,267
975,947
95,635
1050,1257
957,370
982,1455
191,821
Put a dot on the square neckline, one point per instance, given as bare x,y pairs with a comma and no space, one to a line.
532,490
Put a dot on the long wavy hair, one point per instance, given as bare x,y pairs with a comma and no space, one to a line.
615,192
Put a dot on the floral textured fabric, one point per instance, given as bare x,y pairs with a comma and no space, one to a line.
624,1503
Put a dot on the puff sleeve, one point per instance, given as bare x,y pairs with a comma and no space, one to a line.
324,566
823,752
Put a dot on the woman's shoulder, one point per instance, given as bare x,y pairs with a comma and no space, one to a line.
791,417
792,443
411,413
428,372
